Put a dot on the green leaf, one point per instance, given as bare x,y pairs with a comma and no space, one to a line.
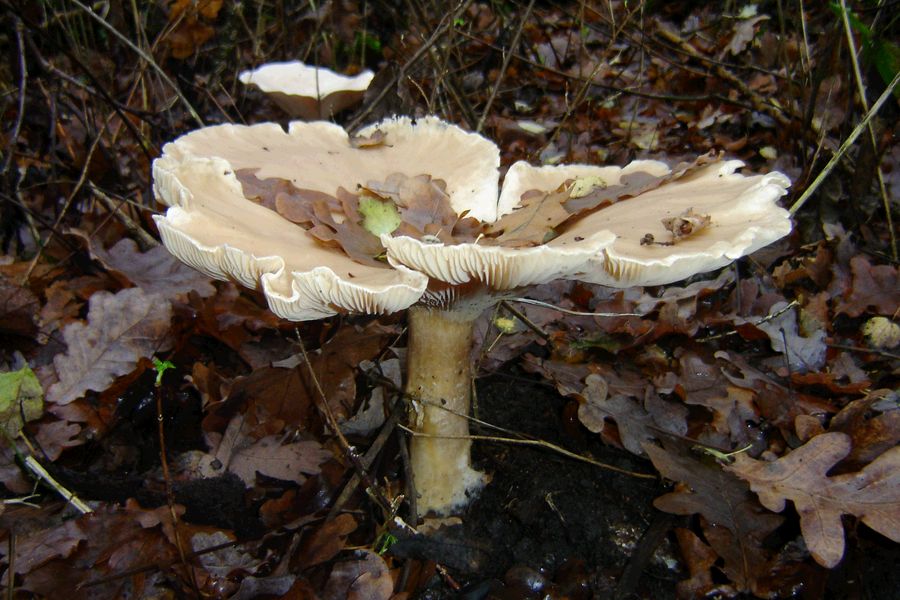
21,400
379,216
161,366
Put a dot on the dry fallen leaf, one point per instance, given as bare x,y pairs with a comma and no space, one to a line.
157,271
245,457
634,424
872,494
121,329
873,286
533,222
367,577
736,526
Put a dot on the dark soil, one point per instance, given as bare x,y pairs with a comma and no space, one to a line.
548,524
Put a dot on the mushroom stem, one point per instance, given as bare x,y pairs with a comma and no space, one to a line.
439,382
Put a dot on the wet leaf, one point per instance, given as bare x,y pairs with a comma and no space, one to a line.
21,400
244,456
365,577
121,329
803,352
157,271
872,494
633,422
738,523
326,540
18,308
873,287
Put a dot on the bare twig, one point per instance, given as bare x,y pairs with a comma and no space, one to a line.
762,321
535,443
62,213
438,33
170,493
861,90
507,57
372,488
144,239
194,114
857,131
368,458
576,313
41,473
23,87
521,316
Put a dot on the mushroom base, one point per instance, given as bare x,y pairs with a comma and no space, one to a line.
439,382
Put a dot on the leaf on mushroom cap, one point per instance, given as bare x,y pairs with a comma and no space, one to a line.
742,210
211,226
305,91
215,228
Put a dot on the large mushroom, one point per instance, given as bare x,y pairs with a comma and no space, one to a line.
308,92
408,215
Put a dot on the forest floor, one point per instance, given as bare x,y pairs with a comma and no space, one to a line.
165,436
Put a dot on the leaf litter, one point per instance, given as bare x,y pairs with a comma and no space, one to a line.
745,410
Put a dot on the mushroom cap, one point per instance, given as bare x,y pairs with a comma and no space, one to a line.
213,227
743,211
308,92
605,246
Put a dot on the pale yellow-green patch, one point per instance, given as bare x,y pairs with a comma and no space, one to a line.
583,186
506,325
379,216
881,333
21,400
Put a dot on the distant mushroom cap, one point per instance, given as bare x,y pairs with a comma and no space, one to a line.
305,91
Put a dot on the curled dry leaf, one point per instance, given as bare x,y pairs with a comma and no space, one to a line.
686,224
635,425
121,329
872,494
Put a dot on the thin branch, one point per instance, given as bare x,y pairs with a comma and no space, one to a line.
41,473
194,114
23,83
857,131
507,57
372,488
535,443
861,90
438,33
566,311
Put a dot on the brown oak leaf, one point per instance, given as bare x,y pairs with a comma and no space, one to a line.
872,494
873,286
736,526
533,222
121,329
155,270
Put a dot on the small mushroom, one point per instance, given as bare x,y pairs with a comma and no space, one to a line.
307,92
211,225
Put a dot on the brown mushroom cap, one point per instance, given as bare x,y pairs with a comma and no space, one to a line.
308,92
